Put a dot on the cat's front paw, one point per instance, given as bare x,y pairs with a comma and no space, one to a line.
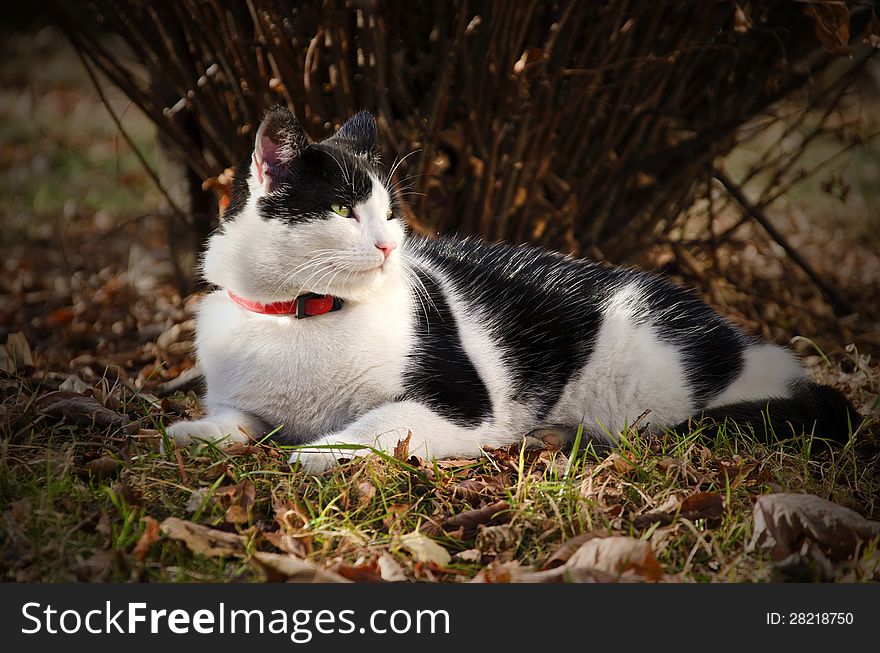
317,460
185,433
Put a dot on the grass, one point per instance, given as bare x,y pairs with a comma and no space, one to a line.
63,520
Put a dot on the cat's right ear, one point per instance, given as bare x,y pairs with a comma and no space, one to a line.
280,140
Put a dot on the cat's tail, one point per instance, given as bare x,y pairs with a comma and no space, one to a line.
811,410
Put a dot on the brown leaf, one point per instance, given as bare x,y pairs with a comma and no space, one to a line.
619,556
470,490
401,449
564,552
832,25
239,499
618,463
364,573
783,523
203,540
703,505
470,519
103,467
148,537
284,567
495,540
79,409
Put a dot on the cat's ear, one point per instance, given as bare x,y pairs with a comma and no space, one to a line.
280,140
359,135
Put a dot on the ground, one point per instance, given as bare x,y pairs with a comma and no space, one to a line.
91,489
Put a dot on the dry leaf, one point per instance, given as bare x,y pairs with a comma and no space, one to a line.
203,540
619,556
148,537
103,467
783,523
470,519
76,408
390,570
239,499
285,567
703,505
401,449
832,25
424,549
363,573
564,552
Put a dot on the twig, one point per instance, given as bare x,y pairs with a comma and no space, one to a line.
839,303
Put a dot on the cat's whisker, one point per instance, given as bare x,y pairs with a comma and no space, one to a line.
397,165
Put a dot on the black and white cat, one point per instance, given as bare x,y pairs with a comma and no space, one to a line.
330,326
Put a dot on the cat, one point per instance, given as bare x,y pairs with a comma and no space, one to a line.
331,325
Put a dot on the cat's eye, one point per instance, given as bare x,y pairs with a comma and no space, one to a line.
389,214
341,210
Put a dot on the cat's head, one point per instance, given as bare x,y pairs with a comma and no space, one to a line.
308,217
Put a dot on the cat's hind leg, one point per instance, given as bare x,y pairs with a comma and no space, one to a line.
224,425
433,436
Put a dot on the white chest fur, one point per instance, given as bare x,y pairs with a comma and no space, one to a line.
312,375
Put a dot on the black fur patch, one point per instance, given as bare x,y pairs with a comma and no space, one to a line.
712,348
321,176
439,373
812,409
546,310
542,308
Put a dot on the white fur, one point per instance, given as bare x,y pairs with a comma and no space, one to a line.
768,372
629,372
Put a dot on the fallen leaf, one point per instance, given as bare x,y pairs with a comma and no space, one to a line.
469,555
470,490
424,549
285,567
196,498
702,505
86,411
103,467
619,556
470,519
401,449
390,570
239,501
363,573
618,463
564,552
365,493
148,538
783,522
494,540
203,540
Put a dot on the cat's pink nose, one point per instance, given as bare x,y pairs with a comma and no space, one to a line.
386,248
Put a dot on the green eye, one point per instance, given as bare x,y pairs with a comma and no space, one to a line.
389,214
341,210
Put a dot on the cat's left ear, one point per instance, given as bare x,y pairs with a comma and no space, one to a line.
359,135
280,140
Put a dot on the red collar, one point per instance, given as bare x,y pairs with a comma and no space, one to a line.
306,305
